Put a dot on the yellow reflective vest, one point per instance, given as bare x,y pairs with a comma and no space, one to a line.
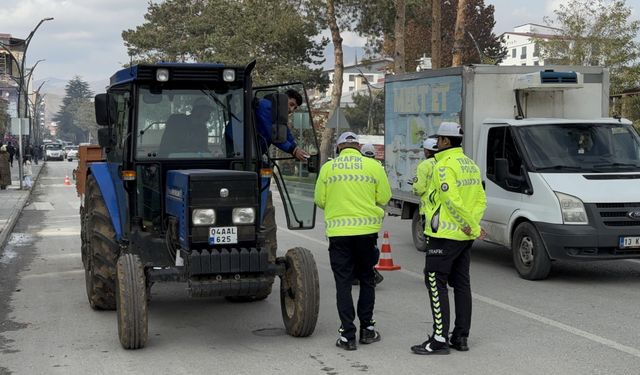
350,189
423,181
456,197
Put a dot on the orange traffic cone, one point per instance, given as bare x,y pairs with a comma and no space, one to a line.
67,181
386,262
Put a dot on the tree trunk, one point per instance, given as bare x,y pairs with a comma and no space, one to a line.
336,93
399,31
458,41
436,34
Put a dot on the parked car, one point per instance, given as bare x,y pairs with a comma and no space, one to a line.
71,153
53,151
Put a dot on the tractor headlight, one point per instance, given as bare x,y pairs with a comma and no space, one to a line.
201,216
229,75
162,75
572,209
243,215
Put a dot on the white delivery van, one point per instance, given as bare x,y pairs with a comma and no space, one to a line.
562,180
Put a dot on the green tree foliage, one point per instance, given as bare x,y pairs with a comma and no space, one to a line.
358,114
76,116
596,32
274,32
375,21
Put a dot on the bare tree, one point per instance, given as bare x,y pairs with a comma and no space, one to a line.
458,38
436,34
336,92
399,33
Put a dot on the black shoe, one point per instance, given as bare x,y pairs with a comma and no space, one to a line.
459,343
431,346
369,336
378,276
346,345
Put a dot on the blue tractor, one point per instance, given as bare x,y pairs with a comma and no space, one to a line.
182,192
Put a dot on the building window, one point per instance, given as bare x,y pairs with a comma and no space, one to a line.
536,50
352,78
523,55
536,63
513,53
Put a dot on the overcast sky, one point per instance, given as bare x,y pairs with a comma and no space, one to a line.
85,37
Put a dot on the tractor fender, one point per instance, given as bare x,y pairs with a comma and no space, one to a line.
107,176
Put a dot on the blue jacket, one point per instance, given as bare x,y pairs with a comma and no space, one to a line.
264,126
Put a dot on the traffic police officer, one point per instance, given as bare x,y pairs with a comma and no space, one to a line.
350,189
456,204
424,172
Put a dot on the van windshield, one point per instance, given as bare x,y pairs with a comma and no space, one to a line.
582,147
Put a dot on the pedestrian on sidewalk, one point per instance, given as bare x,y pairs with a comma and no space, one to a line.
12,151
5,168
28,172
350,189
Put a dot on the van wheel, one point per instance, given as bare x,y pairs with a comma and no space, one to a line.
417,231
529,254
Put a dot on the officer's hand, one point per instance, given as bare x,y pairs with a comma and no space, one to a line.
300,154
483,234
466,230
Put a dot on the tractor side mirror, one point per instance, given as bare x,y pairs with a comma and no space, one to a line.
104,137
279,116
313,165
100,103
106,109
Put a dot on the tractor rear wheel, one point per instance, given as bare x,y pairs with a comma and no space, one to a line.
300,293
131,299
100,249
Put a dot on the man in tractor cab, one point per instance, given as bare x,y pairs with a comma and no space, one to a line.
188,133
264,125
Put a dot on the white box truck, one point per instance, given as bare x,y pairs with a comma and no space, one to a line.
562,180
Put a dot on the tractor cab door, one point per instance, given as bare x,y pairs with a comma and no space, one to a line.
295,179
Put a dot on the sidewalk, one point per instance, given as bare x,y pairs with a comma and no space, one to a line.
12,201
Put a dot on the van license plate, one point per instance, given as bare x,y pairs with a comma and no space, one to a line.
223,235
629,242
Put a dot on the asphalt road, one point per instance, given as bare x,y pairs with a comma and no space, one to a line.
584,319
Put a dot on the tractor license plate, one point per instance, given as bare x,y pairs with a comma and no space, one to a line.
630,242
223,235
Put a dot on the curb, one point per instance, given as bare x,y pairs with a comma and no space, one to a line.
13,218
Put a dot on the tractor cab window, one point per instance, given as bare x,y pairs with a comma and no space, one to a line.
190,124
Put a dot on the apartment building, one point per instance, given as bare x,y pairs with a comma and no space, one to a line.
521,46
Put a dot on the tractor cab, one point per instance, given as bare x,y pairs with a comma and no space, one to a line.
185,191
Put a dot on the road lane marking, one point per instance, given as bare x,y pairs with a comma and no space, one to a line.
52,274
527,314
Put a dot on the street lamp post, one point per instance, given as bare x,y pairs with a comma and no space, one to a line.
21,89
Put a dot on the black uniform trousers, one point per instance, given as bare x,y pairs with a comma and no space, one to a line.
353,257
447,262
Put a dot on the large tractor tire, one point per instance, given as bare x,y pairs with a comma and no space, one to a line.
417,231
529,254
131,298
300,293
100,249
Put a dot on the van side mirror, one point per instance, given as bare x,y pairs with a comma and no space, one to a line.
279,116
501,169
313,165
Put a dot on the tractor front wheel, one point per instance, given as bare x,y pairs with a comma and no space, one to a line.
300,293
131,298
